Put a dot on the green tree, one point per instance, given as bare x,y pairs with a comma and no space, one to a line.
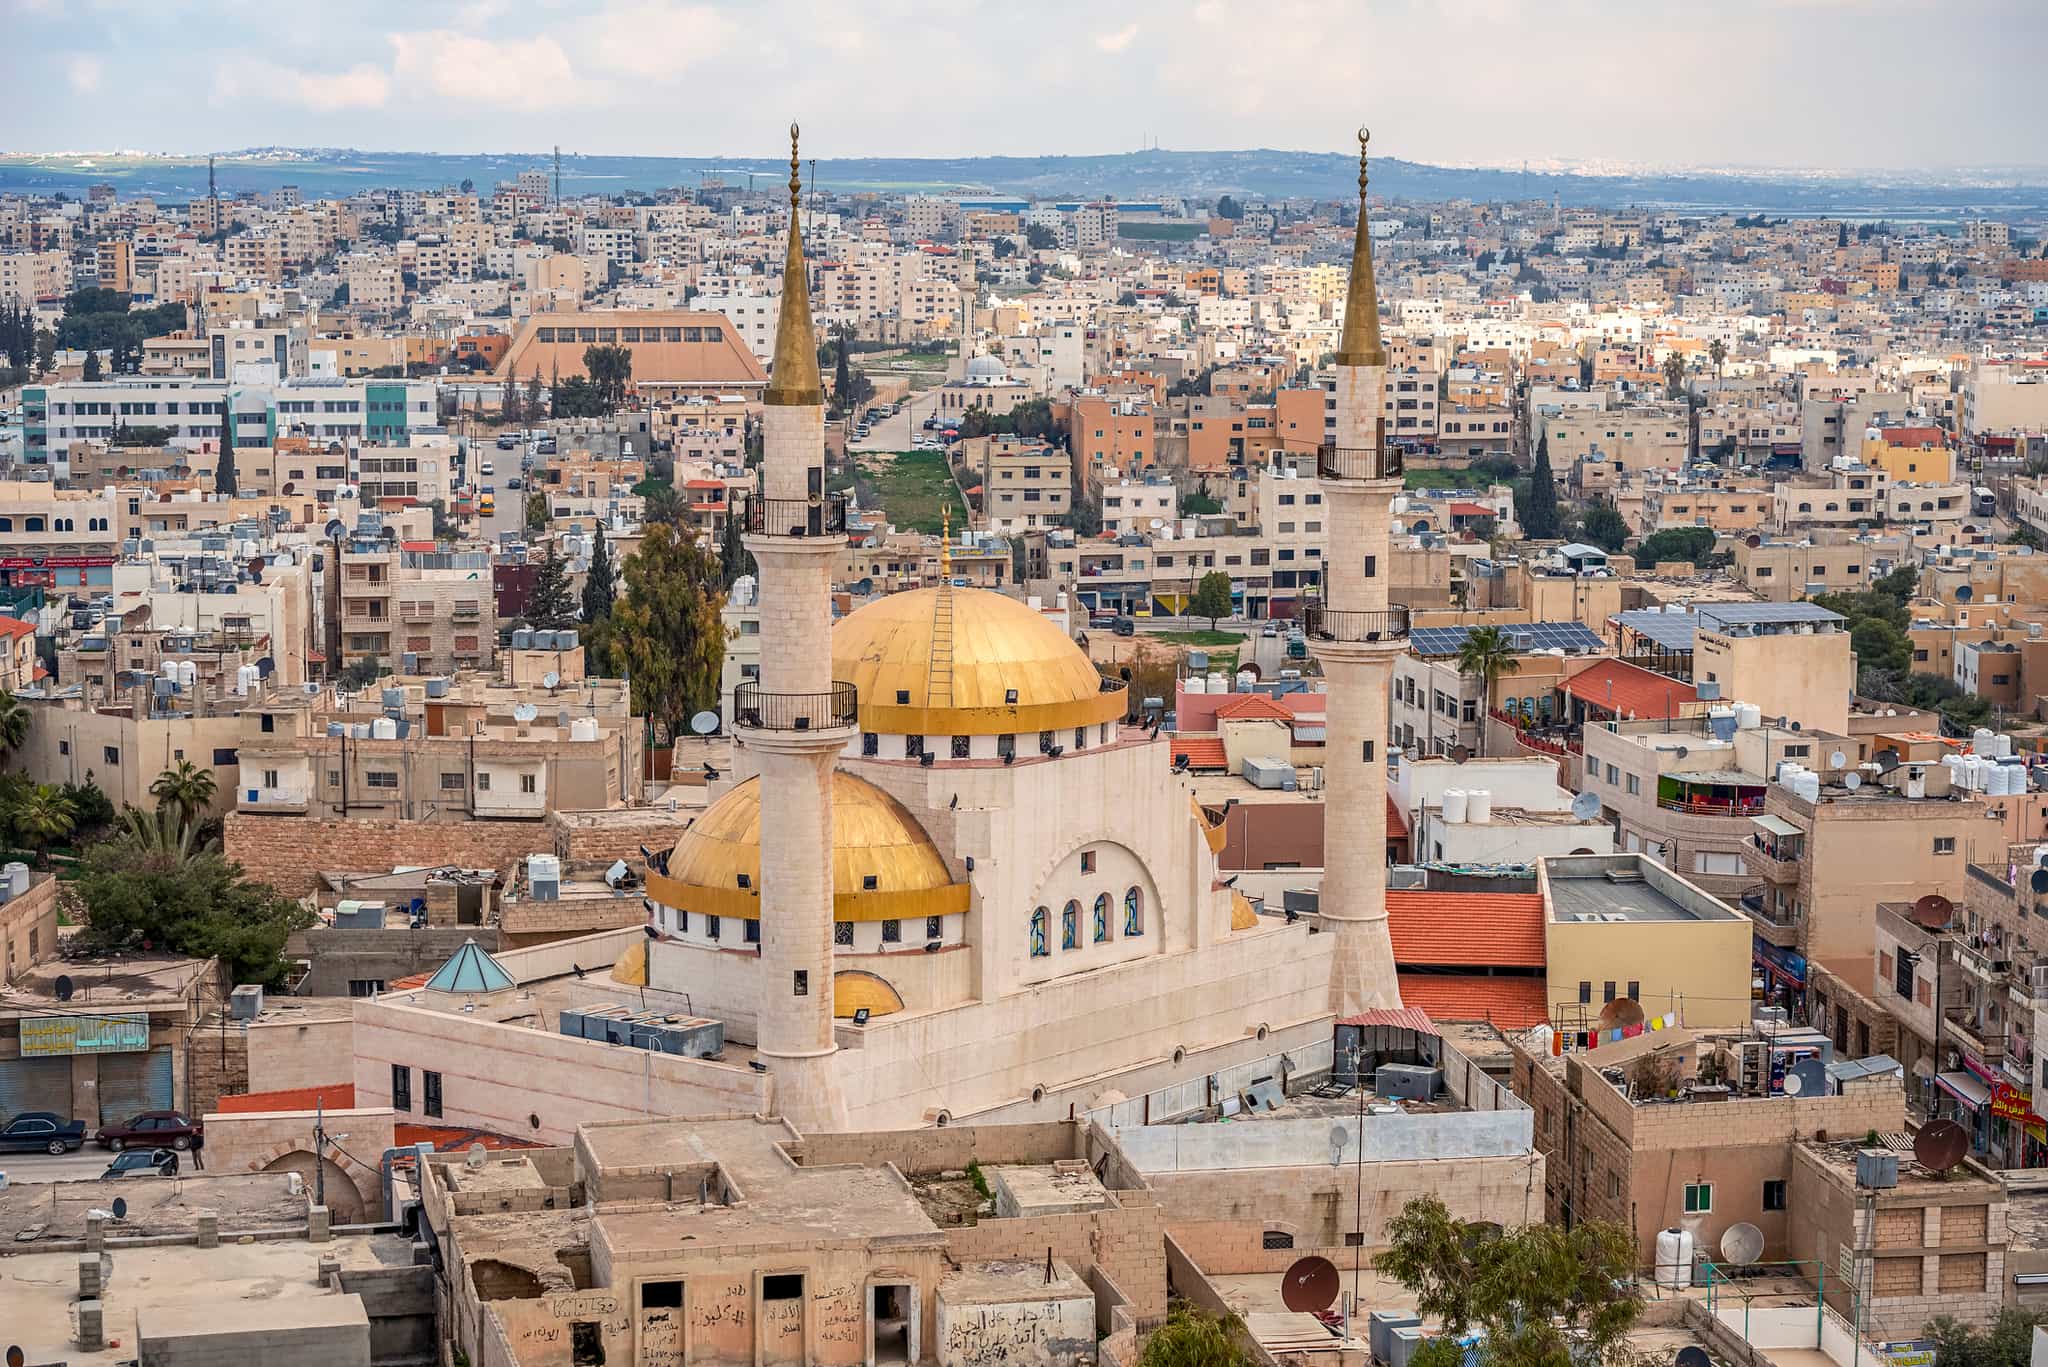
2007,1343
666,632
550,606
1227,207
41,815
1040,238
1717,352
1674,375
1194,1338
1604,526
508,403
13,723
536,511
733,559
842,370
1693,544
186,788
224,478
1211,598
1487,654
536,407
1198,504
601,583
577,397
92,373
610,369
1543,1295
93,808
46,351
1538,513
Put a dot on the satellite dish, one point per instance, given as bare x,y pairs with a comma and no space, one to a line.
1460,753
335,527
1692,1355
616,875
1621,1014
1742,1243
551,680
1887,761
1752,541
1838,760
120,1207
1586,806
1940,1145
65,987
1852,781
1963,593
1934,912
1339,1137
1808,1077
1310,1285
525,711
704,723
473,1157
2039,882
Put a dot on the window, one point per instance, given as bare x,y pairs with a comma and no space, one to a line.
786,1286
382,778
1607,991
1070,926
870,744
1902,973
661,1295
1699,1198
1944,844
1635,991
365,987
1613,1184
431,1083
401,1087
711,926
892,932
528,782
842,934
913,747
1276,1238
1774,1195
962,747
221,757
1041,948
483,783
448,781
750,931
586,1337
1635,785
1087,861
934,927
1134,912
1585,993
111,753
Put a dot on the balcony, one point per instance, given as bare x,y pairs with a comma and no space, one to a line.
1776,860
280,800
755,709
1330,624
1774,917
1358,462
823,515
1959,1025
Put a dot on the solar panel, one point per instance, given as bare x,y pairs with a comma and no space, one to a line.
1671,630
1764,614
1574,637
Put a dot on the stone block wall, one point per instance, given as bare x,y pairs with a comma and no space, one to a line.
290,851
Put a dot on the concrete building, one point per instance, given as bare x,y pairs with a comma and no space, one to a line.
1024,485
112,1048
411,609
675,351
1625,926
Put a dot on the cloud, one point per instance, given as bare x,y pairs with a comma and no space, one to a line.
525,73
658,39
252,78
1117,41
84,72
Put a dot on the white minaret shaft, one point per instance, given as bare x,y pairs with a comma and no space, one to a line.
1357,635
794,717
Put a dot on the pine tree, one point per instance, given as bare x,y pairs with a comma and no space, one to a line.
842,378
600,586
1539,511
508,407
224,467
92,373
550,607
535,409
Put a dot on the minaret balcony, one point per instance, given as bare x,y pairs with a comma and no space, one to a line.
1331,624
756,709
819,515
1358,462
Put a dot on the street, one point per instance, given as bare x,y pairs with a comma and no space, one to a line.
88,1163
897,432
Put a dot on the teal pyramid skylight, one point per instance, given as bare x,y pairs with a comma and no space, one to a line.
469,969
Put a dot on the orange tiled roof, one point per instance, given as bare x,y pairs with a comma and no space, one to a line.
1253,707
1479,929
1637,692
1509,1003
335,1096
1203,751
1397,826
14,626
451,1138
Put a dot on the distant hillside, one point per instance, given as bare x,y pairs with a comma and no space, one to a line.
1127,175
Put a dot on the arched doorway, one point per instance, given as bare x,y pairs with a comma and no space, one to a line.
345,1205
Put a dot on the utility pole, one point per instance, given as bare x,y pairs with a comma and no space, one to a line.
319,1151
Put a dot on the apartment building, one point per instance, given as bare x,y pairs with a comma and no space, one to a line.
1024,485
1826,562
28,278
420,472
1112,438
60,538
416,610
115,259
1633,440
683,351
1477,433
1139,507
243,351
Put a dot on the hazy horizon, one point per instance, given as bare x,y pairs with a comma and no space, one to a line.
1779,85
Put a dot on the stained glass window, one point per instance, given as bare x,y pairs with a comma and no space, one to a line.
1070,926
1134,913
1039,946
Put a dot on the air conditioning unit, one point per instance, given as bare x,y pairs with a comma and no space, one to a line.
1877,1168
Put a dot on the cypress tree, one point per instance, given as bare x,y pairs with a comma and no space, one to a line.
1539,510
600,586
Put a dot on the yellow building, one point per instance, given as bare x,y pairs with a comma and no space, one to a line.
1623,925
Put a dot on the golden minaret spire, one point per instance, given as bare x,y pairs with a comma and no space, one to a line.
795,381
1360,343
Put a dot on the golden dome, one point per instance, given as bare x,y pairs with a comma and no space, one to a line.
997,645
853,989
875,836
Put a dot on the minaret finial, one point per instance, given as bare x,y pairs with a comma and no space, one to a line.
1360,343
946,545
794,381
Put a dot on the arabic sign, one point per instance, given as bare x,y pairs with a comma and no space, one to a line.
1910,1353
47,1036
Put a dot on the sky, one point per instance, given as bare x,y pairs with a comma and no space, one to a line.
1906,84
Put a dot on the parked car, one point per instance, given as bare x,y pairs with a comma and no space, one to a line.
1126,626
508,441
512,483
485,468
42,1132
142,1163
150,1129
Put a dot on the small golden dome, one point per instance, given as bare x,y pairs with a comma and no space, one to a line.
853,989
925,671
874,836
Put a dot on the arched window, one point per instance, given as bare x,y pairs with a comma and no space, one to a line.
1102,919
1070,926
1134,912
6,524
34,524
1041,947
1806,507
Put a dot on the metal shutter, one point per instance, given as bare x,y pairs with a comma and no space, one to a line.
133,1083
35,1084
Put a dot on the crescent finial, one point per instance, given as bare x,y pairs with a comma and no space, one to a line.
1364,136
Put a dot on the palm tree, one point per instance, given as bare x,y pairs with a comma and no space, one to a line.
1674,374
163,837
44,815
187,787
13,723
1717,352
1487,654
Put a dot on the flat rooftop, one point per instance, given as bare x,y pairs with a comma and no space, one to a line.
57,1210
1625,887
114,982
1840,1158
241,1283
539,1005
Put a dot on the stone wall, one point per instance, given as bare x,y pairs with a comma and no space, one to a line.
280,1141
1126,1243
290,851
947,1150
340,957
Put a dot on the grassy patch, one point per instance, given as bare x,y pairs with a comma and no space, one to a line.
1198,638
1436,479
913,488
1162,232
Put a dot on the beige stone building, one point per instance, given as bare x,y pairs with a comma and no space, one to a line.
1024,484
413,611
1631,439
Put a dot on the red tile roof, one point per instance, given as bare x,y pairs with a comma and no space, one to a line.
1462,509
1509,1003
1478,929
1397,826
335,1096
1203,752
1401,1017
1637,692
453,1138
1253,707
14,626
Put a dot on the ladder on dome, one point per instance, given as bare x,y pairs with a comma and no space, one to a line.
938,683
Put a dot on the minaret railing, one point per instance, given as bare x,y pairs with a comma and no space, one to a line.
1358,462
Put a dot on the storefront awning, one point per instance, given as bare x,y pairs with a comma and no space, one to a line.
1966,1088
1776,825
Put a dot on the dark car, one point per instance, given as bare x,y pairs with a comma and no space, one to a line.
42,1132
151,1129
142,1163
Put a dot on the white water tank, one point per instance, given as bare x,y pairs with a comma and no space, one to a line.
188,675
1984,741
1219,682
1748,716
1479,806
1674,1259
544,877
384,728
1809,785
16,877
2004,745
1246,680
1455,806
1195,683
583,728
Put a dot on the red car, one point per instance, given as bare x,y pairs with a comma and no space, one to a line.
152,1130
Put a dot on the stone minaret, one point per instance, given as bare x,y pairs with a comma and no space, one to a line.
795,718
1357,635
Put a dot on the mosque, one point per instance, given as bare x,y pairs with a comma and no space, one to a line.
947,882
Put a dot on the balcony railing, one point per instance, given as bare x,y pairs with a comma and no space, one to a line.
1332,624
1358,462
824,515
755,709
